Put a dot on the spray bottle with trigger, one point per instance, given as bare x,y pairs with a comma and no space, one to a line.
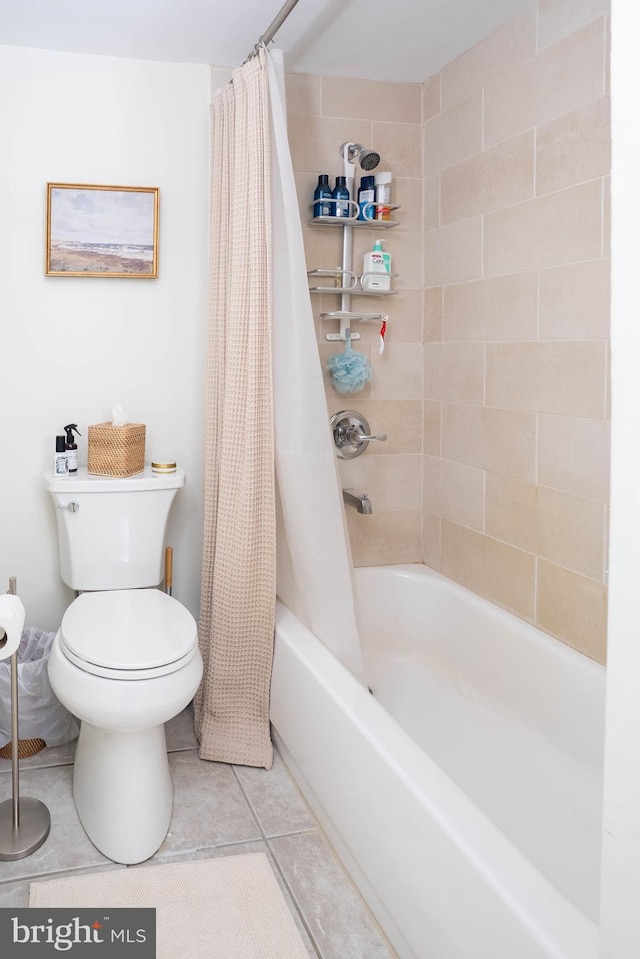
72,446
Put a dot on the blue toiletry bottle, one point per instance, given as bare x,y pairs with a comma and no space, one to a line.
322,193
341,196
366,198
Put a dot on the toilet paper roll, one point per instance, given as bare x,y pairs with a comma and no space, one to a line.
11,623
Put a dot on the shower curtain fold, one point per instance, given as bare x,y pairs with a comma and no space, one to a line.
272,499
315,572
238,568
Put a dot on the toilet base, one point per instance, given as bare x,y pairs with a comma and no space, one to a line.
123,791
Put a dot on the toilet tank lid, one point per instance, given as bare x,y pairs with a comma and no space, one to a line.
85,482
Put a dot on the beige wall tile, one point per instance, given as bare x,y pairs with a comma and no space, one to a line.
358,474
563,227
454,492
431,202
564,529
559,18
304,94
511,103
575,301
453,135
408,194
490,180
433,307
606,225
431,97
573,148
432,427
385,538
454,372
397,374
560,79
453,253
315,142
397,482
500,440
556,377
498,572
400,147
401,420
322,251
511,511
571,532
573,455
502,50
431,540
496,308
573,608
572,72
371,99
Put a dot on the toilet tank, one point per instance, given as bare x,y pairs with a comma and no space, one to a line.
111,531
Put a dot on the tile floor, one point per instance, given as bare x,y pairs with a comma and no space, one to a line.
219,810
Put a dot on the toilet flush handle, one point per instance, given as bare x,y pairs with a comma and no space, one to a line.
73,507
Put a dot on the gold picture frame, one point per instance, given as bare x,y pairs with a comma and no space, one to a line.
102,230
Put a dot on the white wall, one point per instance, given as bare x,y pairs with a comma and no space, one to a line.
621,846
71,347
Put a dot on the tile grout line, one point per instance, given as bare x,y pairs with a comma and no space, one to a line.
315,946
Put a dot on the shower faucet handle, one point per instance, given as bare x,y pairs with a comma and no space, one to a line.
351,434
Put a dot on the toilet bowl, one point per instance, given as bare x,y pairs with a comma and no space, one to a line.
124,662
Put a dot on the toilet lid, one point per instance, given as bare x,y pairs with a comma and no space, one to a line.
137,630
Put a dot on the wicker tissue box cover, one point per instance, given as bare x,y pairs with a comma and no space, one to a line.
116,450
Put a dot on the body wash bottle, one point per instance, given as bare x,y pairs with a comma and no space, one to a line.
376,269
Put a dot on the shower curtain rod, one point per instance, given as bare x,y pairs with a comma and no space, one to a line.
273,27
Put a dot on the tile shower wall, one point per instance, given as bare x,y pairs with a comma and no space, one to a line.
516,442
325,112
493,389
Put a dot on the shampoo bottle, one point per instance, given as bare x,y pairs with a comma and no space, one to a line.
60,463
322,196
72,447
341,196
366,197
376,269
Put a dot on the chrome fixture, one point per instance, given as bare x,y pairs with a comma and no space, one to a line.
359,501
351,434
368,159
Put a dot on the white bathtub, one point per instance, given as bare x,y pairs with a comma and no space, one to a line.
464,795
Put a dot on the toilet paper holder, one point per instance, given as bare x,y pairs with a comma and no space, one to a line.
24,822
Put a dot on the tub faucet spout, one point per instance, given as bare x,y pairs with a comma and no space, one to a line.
359,501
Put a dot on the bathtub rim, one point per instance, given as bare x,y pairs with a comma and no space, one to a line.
549,918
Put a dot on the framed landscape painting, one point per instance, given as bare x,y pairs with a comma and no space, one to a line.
102,230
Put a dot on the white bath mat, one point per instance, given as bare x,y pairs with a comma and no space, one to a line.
227,908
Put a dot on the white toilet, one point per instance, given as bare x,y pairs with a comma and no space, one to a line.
125,659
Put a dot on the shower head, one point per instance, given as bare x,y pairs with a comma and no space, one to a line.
368,159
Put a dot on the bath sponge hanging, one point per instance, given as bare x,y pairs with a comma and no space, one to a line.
350,371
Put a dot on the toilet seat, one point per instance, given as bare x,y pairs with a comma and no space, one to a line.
128,634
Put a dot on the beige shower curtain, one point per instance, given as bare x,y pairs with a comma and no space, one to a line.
238,569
